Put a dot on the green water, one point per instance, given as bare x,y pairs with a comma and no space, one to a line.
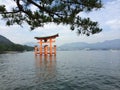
68,70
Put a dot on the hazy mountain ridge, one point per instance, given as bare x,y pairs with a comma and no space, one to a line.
106,45
32,44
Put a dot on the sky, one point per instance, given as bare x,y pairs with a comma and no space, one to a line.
108,18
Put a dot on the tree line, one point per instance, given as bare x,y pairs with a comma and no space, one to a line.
14,47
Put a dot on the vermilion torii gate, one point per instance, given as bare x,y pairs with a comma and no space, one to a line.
45,45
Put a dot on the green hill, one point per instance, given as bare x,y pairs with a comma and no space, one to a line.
4,40
7,45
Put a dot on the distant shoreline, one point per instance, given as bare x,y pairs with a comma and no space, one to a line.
10,52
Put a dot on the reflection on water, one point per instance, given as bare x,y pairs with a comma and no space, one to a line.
78,70
45,66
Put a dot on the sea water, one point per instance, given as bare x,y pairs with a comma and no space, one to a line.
68,70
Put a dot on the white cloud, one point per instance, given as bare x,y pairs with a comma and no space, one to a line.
9,4
108,18
114,24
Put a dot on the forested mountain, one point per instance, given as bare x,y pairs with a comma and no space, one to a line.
4,40
7,45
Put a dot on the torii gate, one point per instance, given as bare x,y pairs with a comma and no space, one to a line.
46,49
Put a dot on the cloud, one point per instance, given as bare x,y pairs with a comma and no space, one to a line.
114,24
108,18
9,4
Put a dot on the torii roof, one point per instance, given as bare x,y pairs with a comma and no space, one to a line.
47,37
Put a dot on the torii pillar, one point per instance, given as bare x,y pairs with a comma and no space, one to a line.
45,45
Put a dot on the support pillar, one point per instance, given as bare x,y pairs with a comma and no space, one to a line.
46,49
55,49
36,50
50,46
40,47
